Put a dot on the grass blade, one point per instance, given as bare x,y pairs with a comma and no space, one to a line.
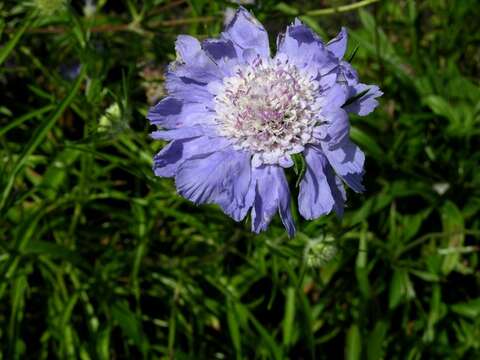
39,135
7,49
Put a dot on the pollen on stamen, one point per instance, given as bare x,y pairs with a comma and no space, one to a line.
268,108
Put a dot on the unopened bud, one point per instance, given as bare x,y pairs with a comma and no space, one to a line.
320,252
49,7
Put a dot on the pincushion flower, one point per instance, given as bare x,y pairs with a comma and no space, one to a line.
236,118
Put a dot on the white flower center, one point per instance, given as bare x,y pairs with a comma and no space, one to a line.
268,108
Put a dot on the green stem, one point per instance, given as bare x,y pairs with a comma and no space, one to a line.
339,9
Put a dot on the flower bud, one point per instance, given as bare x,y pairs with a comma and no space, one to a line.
49,7
320,251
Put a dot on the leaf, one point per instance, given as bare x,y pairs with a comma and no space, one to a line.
103,344
425,275
276,350
233,327
355,97
307,328
286,9
469,309
129,324
437,311
39,135
453,226
54,251
353,347
352,55
10,45
20,120
401,288
289,317
376,339
56,173
367,143
438,105
361,270
299,167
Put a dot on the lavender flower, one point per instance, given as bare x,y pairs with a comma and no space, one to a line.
236,117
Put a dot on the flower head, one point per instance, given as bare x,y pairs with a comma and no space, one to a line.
235,116
320,252
49,7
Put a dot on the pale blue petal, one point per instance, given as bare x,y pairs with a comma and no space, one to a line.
367,103
208,178
247,33
218,49
338,45
307,50
171,113
271,195
237,198
167,161
181,133
315,197
187,48
347,160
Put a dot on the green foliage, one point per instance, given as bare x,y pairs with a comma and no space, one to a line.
99,259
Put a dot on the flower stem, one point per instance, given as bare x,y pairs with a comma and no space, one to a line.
339,9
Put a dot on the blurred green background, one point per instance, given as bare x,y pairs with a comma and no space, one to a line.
101,260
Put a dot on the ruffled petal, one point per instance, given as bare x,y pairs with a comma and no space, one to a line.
237,198
197,65
171,113
219,49
347,160
336,128
347,74
320,190
271,194
165,113
187,48
192,61
182,133
167,161
209,179
367,103
315,197
306,49
338,191
333,97
246,32
187,89
338,45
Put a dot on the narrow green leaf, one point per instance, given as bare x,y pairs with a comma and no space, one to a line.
286,9
352,55
367,143
437,311
355,97
20,120
469,309
129,324
39,135
103,344
275,349
454,228
234,328
376,339
396,289
289,317
353,348
54,251
361,270
299,167
10,45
